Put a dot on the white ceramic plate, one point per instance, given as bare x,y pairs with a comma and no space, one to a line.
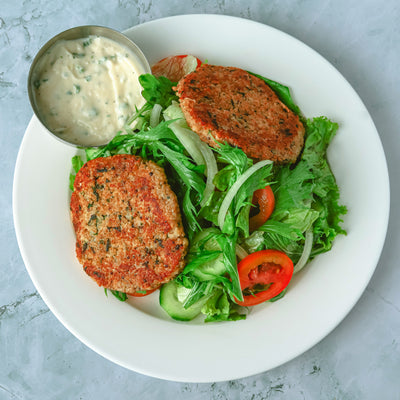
137,334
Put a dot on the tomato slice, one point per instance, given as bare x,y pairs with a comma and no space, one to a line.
175,67
265,200
263,275
140,294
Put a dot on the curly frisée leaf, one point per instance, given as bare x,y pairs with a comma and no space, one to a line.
326,192
307,198
157,90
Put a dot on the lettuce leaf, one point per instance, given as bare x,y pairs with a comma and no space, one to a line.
306,197
155,91
77,164
219,308
320,132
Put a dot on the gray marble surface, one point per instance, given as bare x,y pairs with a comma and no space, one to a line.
360,359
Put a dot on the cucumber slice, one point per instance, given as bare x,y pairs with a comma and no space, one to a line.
174,308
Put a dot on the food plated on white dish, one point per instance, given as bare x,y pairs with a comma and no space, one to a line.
318,297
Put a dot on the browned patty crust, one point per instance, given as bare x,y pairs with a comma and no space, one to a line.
232,105
129,233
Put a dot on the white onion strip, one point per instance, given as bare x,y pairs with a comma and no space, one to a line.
306,251
240,252
182,293
235,188
201,154
155,115
211,171
189,141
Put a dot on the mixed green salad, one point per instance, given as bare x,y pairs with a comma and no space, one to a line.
216,190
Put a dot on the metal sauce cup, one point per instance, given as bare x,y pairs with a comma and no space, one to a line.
81,32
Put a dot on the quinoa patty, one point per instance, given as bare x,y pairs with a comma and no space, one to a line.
129,233
241,109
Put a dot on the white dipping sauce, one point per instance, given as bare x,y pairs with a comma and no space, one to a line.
86,89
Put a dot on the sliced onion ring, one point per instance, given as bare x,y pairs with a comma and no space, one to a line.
201,154
306,251
155,115
211,171
189,141
235,188
241,252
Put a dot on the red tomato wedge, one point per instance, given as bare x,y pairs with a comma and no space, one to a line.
175,67
139,294
265,200
263,275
